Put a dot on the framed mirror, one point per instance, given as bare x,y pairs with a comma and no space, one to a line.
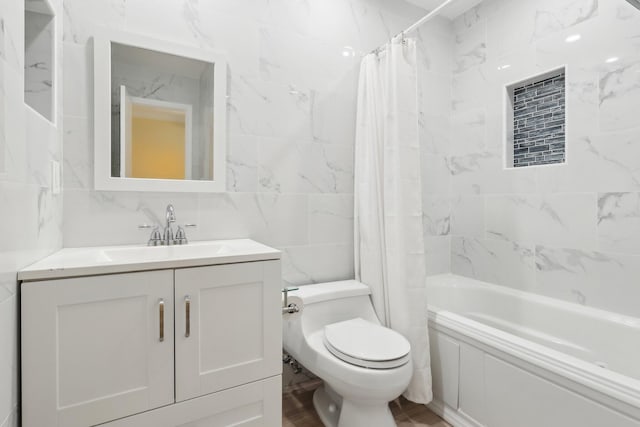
160,115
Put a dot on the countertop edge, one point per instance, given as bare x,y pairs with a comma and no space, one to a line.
96,270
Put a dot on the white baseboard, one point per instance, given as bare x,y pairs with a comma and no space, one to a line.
453,417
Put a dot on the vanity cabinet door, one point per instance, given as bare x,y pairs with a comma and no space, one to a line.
92,348
228,326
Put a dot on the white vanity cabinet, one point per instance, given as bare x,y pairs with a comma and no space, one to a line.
227,331
92,348
177,347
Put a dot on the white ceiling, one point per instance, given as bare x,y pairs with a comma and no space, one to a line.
453,10
426,4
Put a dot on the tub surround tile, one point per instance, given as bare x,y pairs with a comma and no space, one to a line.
438,254
495,261
468,133
564,14
620,96
467,216
470,48
434,93
619,222
435,44
618,155
556,219
484,173
436,178
555,230
435,134
577,276
510,25
436,215
579,174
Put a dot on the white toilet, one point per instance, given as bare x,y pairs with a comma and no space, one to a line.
339,338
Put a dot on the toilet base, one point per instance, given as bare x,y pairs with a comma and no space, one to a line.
350,414
328,410
357,414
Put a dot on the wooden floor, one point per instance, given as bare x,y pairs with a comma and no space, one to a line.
297,409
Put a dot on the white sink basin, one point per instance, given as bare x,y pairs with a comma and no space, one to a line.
159,253
74,262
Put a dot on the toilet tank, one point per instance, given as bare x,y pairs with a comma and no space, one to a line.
326,303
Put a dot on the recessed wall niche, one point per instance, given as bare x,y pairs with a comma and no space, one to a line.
536,120
39,67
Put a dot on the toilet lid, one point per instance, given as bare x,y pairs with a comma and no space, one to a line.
366,344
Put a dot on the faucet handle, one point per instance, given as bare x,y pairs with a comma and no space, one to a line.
156,237
181,237
143,226
190,225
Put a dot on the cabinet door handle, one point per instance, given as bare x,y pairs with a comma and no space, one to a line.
187,313
161,308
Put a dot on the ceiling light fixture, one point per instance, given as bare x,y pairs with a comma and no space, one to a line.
573,38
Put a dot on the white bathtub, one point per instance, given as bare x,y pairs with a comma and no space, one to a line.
506,358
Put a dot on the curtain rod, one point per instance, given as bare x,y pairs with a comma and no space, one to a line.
421,21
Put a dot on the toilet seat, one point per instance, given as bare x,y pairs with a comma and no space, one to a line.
366,344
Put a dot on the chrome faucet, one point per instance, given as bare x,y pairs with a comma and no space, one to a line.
170,216
167,238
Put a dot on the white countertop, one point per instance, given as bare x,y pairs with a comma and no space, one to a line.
74,262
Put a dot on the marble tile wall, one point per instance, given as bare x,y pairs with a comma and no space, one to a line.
31,218
569,231
293,69
435,42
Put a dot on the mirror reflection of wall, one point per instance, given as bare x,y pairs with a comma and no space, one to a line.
162,115
3,125
3,117
38,57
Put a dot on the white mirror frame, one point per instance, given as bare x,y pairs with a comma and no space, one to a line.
102,116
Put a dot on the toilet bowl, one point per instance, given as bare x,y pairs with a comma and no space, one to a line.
364,365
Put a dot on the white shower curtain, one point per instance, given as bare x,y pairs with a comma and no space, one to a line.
389,244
